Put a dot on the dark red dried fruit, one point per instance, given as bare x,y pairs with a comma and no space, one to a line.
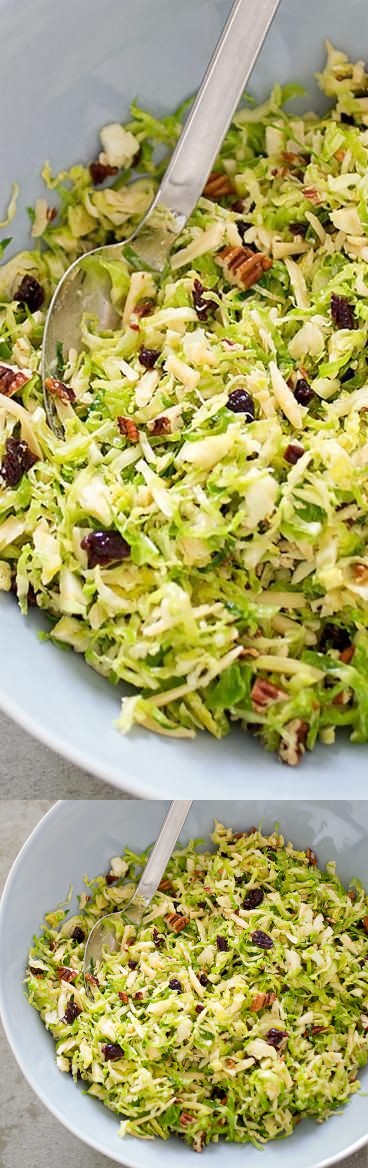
144,307
347,376
203,979
160,426
365,924
342,312
237,206
37,972
254,898
276,1037
222,944
303,392
199,1009
30,293
71,1013
17,461
148,357
110,878
101,170
132,964
204,307
158,939
175,984
105,547
293,453
298,228
78,934
262,940
334,637
112,1051
219,1093
65,974
347,119
57,388
240,402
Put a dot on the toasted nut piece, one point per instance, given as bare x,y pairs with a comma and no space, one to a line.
312,195
129,429
58,389
65,974
365,924
347,654
292,747
176,922
360,572
185,1118
218,185
11,381
261,1000
165,886
243,267
311,856
264,693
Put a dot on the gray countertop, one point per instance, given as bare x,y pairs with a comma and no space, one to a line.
29,770
26,1128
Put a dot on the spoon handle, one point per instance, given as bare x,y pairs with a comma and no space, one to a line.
162,850
230,66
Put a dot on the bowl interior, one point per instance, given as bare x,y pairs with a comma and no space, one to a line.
76,71
80,837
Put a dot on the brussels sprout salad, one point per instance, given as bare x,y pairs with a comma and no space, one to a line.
201,532
237,1008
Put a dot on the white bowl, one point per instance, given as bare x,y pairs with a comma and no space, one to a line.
68,69
80,837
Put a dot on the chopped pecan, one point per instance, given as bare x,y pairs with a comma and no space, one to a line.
311,857
123,997
128,428
51,214
292,747
165,886
90,977
242,266
199,1141
360,573
185,1118
312,195
144,307
352,894
65,974
160,426
100,170
58,389
11,381
314,1030
218,185
176,922
365,1021
347,654
262,1000
264,693
365,924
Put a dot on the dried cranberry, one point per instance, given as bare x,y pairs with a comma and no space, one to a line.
110,878
347,119
100,170
148,357
30,293
342,312
219,1093
112,1051
37,972
144,307
175,984
204,308
158,940
298,228
275,1037
293,453
303,392
222,944
71,1013
240,402
105,547
254,898
262,940
132,964
347,376
199,1009
237,206
334,637
78,934
18,460
203,979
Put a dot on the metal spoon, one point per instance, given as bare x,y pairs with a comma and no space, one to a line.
103,934
81,290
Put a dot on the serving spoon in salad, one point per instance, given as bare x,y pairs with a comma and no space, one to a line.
86,288
103,935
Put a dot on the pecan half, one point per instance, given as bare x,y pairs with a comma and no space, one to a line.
92,979
365,924
165,886
58,389
262,1000
312,195
65,974
311,857
11,381
185,1118
199,1141
242,266
129,429
176,922
292,748
218,185
123,997
264,693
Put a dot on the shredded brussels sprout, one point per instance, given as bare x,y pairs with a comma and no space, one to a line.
201,534
237,1008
